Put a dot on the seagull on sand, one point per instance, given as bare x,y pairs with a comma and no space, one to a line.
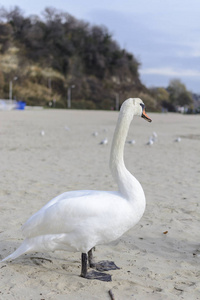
104,142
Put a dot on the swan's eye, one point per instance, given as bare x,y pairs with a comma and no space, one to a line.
143,106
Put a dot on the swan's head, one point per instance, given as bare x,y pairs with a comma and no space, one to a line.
138,107
139,102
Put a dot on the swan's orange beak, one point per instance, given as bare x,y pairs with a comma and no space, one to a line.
144,115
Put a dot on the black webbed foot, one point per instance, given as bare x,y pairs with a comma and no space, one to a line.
92,274
105,265
98,276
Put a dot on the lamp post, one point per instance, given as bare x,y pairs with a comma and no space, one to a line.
11,87
69,95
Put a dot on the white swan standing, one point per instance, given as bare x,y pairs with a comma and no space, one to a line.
80,220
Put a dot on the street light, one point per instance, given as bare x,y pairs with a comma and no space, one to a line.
10,87
69,95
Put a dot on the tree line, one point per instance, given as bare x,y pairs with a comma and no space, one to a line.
50,54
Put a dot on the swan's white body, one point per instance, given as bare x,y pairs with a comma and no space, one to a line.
80,220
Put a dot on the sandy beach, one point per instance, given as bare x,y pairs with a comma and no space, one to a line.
159,258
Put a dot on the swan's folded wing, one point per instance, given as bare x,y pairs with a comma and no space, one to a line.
65,196
69,214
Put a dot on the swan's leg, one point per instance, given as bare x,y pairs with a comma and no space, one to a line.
103,265
83,265
93,274
91,259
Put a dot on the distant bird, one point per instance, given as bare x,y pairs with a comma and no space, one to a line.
178,139
80,220
131,142
104,142
95,133
150,142
154,136
42,133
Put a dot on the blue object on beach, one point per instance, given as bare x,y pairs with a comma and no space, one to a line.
21,105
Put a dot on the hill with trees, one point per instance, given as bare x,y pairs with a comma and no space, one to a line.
46,58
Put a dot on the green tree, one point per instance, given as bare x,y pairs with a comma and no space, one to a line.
5,36
61,49
2,82
178,94
161,96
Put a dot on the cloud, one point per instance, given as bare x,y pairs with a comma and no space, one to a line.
170,72
192,53
189,49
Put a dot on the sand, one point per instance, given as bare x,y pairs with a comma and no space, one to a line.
158,258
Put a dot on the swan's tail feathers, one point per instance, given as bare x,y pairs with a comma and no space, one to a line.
23,248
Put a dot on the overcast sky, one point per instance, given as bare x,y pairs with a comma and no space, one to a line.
164,35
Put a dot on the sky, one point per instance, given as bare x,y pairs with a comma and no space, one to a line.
163,35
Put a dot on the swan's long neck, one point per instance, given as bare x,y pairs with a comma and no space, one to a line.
127,183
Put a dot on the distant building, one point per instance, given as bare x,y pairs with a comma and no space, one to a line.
7,104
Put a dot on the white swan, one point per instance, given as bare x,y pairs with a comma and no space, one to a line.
80,220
